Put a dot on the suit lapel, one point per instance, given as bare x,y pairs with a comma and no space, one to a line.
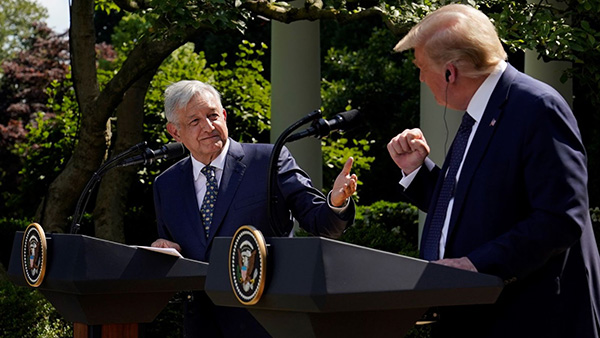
230,181
487,126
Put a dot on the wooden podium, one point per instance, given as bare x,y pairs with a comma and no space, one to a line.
106,288
316,287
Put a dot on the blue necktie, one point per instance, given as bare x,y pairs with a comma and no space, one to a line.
210,198
431,243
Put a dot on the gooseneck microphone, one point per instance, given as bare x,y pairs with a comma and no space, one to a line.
321,128
149,156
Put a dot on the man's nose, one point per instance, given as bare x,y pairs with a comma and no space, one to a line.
207,124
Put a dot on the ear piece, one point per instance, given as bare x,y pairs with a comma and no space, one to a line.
448,73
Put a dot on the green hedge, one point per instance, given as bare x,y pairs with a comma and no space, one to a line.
387,226
24,313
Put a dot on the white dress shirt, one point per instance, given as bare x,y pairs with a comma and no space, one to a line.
200,180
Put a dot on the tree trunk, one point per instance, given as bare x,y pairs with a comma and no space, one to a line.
111,203
88,154
97,107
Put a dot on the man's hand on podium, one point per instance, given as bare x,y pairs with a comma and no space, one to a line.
462,263
163,243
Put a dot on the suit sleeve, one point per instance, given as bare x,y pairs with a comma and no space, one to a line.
421,189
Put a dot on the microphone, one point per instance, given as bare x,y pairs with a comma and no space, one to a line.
148,157
321,127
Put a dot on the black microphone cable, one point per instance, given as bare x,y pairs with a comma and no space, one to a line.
446,121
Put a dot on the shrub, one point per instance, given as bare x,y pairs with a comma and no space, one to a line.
387,226
25,313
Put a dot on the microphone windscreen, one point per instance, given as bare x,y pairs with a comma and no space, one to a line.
351,118
174,149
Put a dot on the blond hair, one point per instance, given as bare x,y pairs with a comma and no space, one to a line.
457,34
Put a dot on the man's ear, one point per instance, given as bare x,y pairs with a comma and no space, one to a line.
450,74
172,129
224,114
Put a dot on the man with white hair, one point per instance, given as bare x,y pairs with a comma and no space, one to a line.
222,186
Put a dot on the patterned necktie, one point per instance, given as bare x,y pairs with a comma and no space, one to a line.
210,198
431,244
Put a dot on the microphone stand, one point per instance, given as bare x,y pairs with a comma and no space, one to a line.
272,170
95,179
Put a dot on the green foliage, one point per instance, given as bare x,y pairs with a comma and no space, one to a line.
23,98
132,28
51,138
168,323
16,18
107,6
595,215
219,14
25,313
360,71
246,93
337,150
8,227
564,31
387,226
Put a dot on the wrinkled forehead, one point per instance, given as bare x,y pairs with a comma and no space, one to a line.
198,100
202,102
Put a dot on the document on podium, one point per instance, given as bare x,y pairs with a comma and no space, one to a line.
168,251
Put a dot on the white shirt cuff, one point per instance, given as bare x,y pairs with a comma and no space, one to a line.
337,210
406,180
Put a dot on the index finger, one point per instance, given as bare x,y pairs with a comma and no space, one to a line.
347,166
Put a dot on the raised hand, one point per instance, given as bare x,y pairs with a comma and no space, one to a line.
344,185
409,150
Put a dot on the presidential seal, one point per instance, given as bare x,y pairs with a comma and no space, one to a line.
34,258
248,262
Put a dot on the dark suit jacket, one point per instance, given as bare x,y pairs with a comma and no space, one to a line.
241,200
521,213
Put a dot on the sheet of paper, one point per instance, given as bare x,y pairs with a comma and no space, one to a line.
168,251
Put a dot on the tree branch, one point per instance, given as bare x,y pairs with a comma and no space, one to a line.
314,11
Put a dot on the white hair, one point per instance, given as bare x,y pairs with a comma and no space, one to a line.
179,94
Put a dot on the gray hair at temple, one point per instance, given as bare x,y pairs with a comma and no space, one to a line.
457,34
179,94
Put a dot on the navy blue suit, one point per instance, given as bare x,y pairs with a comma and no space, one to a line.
241,200
521,213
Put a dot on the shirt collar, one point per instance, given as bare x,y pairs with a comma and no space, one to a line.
479,101
217,163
